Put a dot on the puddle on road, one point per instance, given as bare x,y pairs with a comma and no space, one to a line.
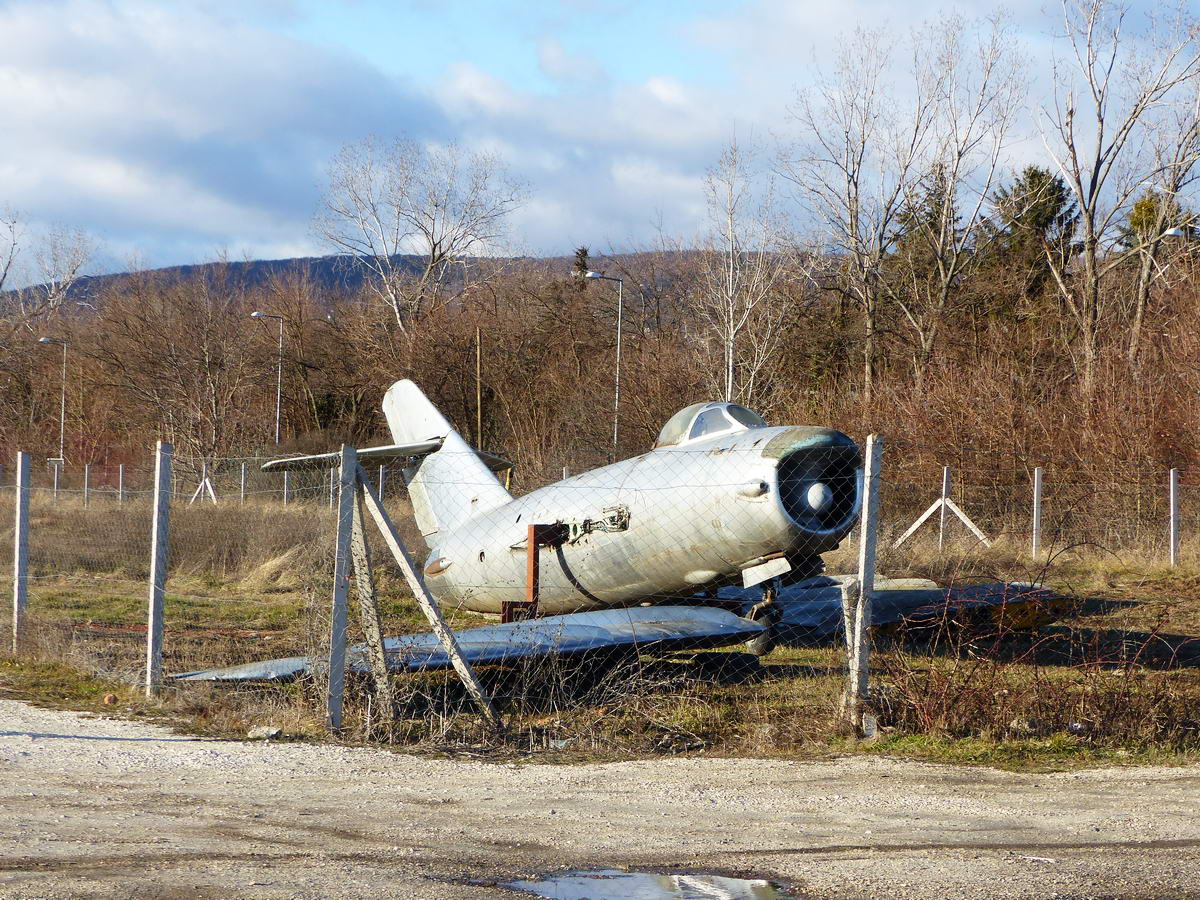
609,884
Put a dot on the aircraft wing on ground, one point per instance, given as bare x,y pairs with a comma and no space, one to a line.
657,628
813,608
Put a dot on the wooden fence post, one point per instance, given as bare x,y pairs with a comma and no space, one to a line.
158,566
20,549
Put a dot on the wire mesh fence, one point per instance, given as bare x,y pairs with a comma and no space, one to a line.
251,553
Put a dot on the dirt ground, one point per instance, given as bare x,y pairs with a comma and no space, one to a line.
106,808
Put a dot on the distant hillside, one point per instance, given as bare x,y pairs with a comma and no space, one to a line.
330,276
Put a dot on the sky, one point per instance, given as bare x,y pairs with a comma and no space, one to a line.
181,131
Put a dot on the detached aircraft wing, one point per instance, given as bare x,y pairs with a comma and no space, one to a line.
378,454
657,628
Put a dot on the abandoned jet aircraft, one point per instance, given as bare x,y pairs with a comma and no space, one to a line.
724,510
721,498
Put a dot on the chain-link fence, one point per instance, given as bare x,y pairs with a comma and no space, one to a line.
251,553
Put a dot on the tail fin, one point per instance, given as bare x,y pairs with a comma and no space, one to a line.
450,485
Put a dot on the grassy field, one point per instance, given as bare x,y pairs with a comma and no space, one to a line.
1118,680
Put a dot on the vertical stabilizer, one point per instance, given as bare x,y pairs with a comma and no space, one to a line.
450,485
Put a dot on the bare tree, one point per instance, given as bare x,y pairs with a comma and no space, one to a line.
441,204
1175,143
736,294
59,259
973,84
1105,97
860,151
9,243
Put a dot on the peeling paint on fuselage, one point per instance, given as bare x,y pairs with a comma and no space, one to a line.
692,525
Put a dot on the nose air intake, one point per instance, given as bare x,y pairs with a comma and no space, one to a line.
818,486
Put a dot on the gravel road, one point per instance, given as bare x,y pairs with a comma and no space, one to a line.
105,808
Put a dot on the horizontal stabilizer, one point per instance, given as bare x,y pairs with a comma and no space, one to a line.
651,628
378,454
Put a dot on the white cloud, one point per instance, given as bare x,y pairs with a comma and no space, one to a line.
555,62
182,128
174,128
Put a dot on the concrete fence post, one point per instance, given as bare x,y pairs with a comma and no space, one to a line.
242,486
87,483
1036,548
121,483
857,596
347,497
1173,497
158,567
379,490
945,508
20,549
57,464
287,487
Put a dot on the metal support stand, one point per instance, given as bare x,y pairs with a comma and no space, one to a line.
536,537
205,488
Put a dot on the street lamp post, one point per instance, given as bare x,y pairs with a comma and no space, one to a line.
617,374
278,367
62,405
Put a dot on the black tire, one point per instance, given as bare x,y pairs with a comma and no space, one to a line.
766,641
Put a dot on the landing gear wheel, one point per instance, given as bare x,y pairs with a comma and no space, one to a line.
766,613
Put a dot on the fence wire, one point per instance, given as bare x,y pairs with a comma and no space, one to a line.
251,552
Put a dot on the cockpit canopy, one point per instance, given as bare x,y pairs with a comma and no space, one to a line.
705,420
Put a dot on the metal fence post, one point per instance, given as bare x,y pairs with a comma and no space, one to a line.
332,486
347,482
287,486
242,486
1036,549
20,549
858,596
121,483
1173,492
944,509
57,477
158,566
87,482
380,490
